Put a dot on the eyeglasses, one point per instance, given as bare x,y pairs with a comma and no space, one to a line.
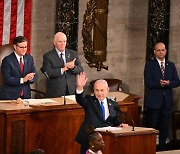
22,47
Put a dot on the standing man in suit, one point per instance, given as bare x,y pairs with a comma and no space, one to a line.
61,65
160,77
99,110
18,71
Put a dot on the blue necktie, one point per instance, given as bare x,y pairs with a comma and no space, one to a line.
103,110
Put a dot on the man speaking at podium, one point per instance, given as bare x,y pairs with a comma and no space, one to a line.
99,110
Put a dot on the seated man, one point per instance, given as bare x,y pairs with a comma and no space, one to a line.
18,71
99,110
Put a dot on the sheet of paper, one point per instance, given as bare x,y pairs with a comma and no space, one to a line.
108,129
40,101
71,97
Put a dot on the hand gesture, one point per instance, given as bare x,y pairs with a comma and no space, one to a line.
71,64
28,77
81,80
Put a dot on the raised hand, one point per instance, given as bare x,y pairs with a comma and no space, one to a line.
81,80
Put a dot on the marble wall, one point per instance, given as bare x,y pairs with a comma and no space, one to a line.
126,44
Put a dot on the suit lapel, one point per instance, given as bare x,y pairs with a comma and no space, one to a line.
56,57
68,55
25,63
166,68
158,67
97,107
110,106
16,63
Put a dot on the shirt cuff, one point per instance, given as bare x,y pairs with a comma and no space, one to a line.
21,81
79,91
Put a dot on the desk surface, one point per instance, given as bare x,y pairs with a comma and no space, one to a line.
127,131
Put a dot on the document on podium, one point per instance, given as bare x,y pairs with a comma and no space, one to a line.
41,102
108,129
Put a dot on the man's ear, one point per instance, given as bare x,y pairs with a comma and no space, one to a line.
108,89
14,47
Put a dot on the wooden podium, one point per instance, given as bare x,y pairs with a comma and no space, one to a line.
129,104
126,141
49,127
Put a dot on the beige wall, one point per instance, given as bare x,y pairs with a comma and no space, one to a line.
126,45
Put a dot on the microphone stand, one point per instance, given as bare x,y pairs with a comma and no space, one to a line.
65,89
127,115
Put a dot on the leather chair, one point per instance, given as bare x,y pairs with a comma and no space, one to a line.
114,84
6,50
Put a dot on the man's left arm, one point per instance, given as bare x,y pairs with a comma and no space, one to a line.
32,70
174,80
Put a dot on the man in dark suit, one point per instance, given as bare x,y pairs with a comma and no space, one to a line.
160,77
18,71
61,65
95,114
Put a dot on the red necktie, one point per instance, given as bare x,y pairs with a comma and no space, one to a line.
22,70
21,65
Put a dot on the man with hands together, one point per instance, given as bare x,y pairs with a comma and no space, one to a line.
160,77
60,66
18,71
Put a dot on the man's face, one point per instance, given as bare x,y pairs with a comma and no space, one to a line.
101,90
60,42
160,51
21,48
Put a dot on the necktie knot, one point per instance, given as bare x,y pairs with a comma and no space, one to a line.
61,55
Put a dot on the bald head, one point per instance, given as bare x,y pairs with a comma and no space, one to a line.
60,41
160,51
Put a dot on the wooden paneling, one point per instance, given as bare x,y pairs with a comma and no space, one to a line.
51,128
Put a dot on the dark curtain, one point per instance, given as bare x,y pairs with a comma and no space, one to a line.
67,20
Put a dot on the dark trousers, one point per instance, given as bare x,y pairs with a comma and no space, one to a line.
159,119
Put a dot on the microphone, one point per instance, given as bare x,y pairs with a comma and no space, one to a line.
65,89
44,72
64,99
127,115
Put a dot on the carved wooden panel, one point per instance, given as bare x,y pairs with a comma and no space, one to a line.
17,137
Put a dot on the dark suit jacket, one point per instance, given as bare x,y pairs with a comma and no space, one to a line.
11,74
56,84
93,114
155,92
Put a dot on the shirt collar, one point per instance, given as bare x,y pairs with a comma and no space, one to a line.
18,57
60,51
159,61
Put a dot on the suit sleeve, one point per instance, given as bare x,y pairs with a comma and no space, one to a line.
50,66
174,81
150,80
9,74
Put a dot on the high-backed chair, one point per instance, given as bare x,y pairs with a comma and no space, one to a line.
6,50
114,84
